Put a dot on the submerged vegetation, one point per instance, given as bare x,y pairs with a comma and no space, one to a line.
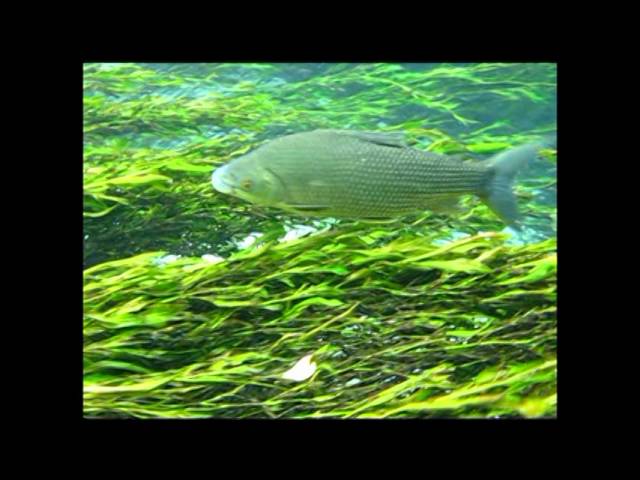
427,316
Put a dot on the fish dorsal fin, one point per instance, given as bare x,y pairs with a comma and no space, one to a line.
390,139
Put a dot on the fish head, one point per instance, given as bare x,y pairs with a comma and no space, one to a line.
249,180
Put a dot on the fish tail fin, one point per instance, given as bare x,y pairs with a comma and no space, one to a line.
497,191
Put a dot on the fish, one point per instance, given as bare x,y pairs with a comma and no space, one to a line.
369,176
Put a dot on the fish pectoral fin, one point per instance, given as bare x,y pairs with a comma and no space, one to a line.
390,139
378,220
309,208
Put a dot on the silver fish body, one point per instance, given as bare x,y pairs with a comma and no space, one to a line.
346,174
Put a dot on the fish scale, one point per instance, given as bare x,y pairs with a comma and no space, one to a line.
389,181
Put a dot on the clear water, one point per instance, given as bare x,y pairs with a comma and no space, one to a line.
501,100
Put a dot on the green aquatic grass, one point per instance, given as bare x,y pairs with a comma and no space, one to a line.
400,329
398,324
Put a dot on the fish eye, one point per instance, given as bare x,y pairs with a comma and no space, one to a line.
246,184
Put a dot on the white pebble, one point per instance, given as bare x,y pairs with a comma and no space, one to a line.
212,258
302,370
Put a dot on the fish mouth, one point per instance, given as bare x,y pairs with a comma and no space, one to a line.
219,181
